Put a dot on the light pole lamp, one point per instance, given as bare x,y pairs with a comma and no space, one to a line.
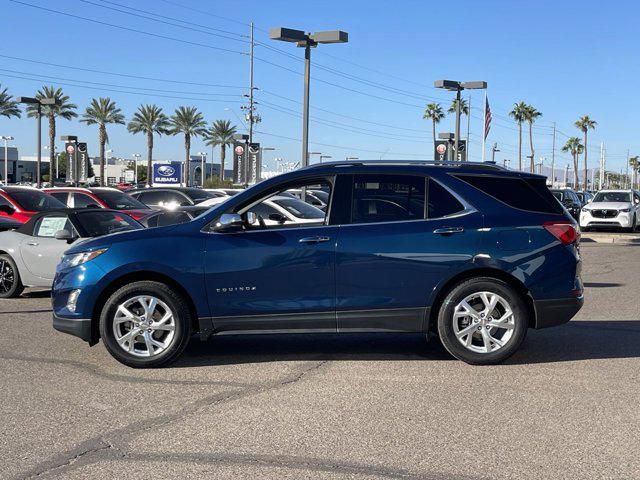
352,158
322,157
457,87
309,154
494,149
6,139
306,41
39,102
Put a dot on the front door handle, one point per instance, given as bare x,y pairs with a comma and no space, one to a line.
33,244
318,239
448,230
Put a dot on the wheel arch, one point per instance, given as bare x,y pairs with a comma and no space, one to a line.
142,275
495,273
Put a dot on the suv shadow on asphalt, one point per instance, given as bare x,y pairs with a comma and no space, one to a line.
577,340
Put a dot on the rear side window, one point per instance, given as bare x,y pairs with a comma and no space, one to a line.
530,194
387,198
441,202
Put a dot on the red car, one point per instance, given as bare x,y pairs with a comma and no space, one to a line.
21,203
101,197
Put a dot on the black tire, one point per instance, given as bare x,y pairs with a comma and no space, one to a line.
182,329
10,282
633,226
462,291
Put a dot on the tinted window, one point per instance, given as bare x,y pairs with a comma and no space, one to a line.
97,222
36,201
198,195
612,197
263,210
81,200
299,209
441,202
387,198
62,196
171,218
48,225
324,196
531,194
119,200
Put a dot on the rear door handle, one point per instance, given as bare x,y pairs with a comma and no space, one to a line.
448,230
318,239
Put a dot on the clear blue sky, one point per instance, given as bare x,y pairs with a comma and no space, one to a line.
567,58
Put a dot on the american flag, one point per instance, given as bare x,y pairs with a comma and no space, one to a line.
487,118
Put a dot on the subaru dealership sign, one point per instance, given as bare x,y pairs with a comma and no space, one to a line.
167,173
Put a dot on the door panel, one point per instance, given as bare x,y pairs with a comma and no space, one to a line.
41,255
390,266
271,280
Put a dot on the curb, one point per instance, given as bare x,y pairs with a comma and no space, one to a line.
616,239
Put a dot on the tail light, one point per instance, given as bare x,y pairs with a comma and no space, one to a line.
567,233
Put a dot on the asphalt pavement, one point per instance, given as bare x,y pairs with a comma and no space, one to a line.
332,407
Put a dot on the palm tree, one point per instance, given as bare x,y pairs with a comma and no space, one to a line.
101,112
149,119
65,110
434,112
585,124
220,134
575,148
519,114
531,115
8,106
464,107
190,122
634,163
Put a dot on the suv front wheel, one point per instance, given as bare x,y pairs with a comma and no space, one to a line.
482,321
145,324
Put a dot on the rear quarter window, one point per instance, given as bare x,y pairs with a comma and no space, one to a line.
529,194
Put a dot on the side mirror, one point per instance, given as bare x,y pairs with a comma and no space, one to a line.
229,222
252,218
63,235
7,209
278,217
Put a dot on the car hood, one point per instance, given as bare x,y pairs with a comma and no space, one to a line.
608,205
107,240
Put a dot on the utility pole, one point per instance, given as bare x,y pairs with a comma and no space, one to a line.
553,156
627,171
602,165
494,149
566,175
468,127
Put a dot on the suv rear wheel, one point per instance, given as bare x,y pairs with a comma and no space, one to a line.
482,321
145,324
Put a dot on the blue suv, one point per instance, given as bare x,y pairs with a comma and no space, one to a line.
471,253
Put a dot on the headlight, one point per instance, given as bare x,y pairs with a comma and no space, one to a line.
625,210
75,259
585,209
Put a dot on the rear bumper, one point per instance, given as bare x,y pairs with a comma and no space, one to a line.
78,327
550,313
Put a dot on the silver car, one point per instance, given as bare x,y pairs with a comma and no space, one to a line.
29,255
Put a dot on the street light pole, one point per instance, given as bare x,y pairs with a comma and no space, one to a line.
203,155
307,40
324,156
494,149
136,156
6,139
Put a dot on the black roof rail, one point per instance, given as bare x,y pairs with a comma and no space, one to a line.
446,163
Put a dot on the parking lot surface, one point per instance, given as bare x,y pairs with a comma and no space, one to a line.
356,406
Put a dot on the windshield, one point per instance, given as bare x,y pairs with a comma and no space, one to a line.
299,209
120,201
613,197
36,201
198,195
97,223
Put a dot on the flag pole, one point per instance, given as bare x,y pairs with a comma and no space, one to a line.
484,126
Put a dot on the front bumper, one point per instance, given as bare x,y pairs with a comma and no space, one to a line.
79,327
550,313
621,220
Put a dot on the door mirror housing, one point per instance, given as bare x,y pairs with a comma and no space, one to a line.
7,209
252,218
63,235
278,217
229,222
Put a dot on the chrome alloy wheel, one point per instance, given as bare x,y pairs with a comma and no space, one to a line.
483,322
144,326
7,276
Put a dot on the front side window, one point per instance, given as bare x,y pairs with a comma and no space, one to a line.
387,198
81,200
120,201
36,201
62,196
299,209
48,226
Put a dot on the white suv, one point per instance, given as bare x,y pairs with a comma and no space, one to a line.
612,208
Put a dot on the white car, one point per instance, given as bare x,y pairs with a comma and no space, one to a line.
280,209
612,208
